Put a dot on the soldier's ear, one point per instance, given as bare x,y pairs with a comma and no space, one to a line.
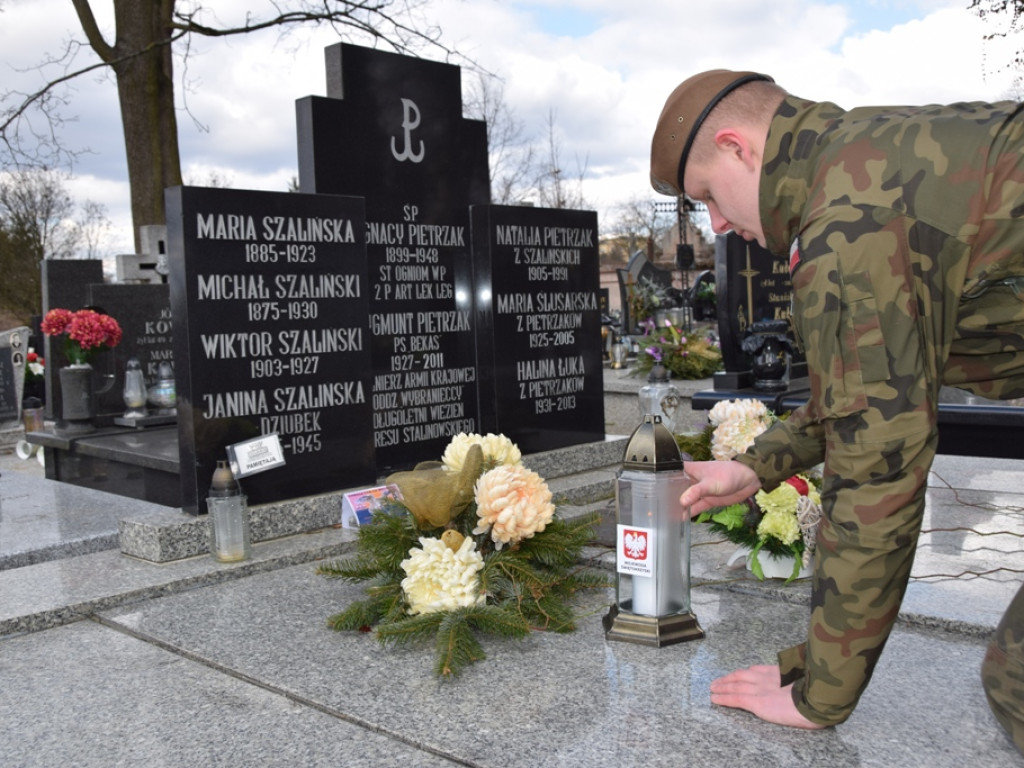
735,142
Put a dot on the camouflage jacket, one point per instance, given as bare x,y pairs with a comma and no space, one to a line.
902,229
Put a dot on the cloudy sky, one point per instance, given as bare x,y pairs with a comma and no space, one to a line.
602,67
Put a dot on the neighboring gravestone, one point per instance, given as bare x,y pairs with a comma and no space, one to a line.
144,314
13,348
539,325
270,301
66,286
751,286
391,130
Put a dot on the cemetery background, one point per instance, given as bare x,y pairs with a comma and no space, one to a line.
435,343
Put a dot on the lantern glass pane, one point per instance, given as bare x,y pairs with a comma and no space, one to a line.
652,543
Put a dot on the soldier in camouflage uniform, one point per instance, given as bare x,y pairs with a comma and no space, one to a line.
903,231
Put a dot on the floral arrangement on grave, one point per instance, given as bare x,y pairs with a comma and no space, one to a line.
473,548
782,522
35,367
86,332
646,297
685,357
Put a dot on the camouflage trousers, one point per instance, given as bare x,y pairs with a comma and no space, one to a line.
1002,672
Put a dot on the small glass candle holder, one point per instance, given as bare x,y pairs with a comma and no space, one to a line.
134,390
230,539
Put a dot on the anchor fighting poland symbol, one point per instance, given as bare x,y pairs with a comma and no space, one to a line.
410,121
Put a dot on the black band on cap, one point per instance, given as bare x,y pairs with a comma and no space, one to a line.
703,116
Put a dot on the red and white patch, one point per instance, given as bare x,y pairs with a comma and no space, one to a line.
794,256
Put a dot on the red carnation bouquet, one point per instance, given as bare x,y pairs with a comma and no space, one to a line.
87,332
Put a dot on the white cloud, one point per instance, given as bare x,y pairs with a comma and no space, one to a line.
605,84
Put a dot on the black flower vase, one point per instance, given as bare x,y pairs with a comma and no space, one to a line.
78,406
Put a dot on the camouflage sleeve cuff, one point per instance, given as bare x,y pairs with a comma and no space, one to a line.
785,448
792,663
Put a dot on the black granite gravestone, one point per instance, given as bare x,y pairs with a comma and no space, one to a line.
66,286
751,286
269,295
538,325
144,313
391,130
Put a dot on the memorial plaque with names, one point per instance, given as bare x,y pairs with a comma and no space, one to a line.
269,296
539,325
391,130
144,314
751,286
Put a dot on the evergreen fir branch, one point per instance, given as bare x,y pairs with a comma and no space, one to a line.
456,646
390,598
358,616
521,573
410,629
562,541
352,569
383,601
389,536
583,579
548,612
497,620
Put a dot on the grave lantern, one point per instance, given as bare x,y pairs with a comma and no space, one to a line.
660,397
652,584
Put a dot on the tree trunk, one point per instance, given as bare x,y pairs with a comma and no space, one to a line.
143,66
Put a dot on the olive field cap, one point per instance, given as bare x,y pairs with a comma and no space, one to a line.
684,112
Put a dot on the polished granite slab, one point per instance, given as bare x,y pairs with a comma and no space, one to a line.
91,697
256,653
43,520
233,664
66,590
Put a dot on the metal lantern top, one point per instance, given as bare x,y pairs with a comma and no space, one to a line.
652,448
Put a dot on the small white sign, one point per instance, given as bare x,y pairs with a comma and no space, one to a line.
257,455
357,507
635,551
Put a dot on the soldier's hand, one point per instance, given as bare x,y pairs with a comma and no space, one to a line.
756,689
717,484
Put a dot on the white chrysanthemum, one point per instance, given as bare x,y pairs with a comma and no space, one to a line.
737,423
438,579
731,410
497,450
513,502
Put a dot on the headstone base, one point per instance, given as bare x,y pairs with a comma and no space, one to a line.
9,437
174,535
577,475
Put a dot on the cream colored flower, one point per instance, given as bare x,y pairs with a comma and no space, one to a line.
513,503
737,423
497,449
439,579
